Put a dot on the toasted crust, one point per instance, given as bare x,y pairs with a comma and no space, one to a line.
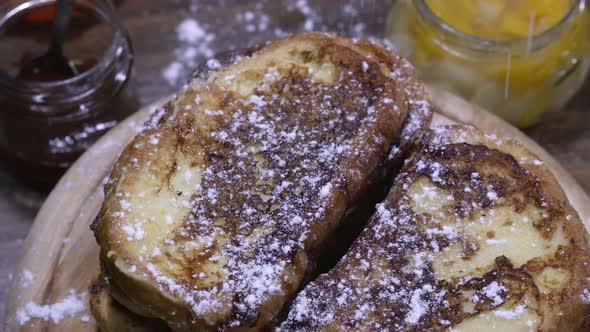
213,213
113,317
419,106
475,235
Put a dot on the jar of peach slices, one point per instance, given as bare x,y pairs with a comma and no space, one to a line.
517,59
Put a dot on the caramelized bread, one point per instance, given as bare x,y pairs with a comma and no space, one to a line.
419,106
113,317
214,213
475,235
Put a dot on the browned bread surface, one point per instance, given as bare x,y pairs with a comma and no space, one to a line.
476,235
419,105
213,212
113,317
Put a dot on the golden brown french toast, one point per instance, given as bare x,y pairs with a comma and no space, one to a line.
475,235
214,214
113,317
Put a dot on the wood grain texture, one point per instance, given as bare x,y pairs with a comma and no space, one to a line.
61,249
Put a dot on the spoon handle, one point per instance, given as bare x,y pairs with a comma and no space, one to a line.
63,13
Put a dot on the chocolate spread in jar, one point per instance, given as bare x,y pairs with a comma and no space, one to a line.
49,118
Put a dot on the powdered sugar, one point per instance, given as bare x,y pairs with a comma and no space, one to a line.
189,30
199,40
253,21
418,307
78,140
325,190
172,72
72,305
311,17
257,100
496,241
510,314
134,231
195,45
491,195
26,278
494,291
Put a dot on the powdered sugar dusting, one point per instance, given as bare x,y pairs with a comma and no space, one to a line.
196,45
73,304
392,279
510,314
173,72
418,306
26,278
351,295
78,140
293,158
200,37
494,292
311,16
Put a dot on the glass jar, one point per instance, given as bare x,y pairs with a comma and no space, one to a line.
46,125
518,79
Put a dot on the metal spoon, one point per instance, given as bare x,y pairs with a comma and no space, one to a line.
54,61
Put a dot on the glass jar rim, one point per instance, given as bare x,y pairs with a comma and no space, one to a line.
15,7
539,40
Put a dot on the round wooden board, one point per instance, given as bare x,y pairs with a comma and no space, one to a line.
62,255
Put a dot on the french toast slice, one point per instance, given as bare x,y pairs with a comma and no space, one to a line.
475,235
214,213
113,317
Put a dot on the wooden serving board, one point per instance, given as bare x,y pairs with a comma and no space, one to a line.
60,251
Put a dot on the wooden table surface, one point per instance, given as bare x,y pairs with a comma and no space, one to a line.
152,28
